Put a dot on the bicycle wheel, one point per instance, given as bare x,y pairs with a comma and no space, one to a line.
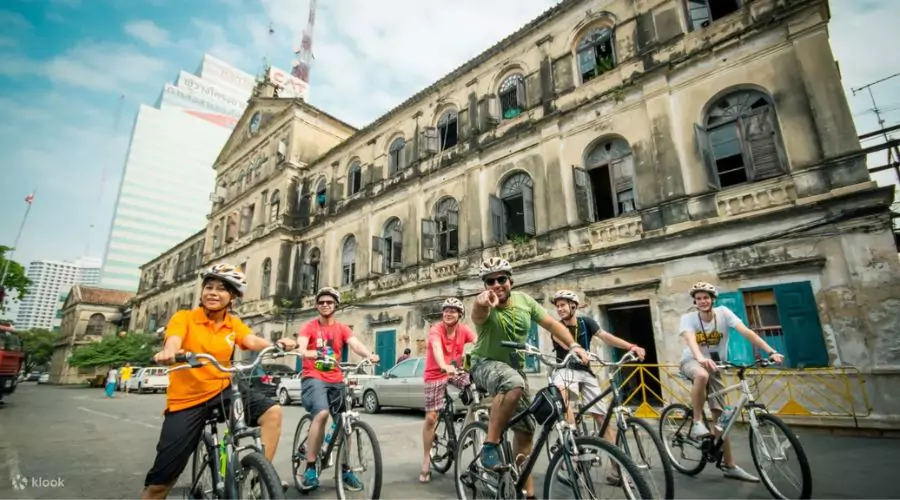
675,424
642,444
350,446
443,448
298,451
471,438
204,469
776,451
590,447
258,478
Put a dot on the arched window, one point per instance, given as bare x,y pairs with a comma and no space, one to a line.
512,96
348,261
387,251
320,193
740,141
95,324
266,278
703,12
396,156
354,178
595,53
446,217
274,206
448,130
604,188
512,213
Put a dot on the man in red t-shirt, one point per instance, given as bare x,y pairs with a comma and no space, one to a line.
443,353
321,342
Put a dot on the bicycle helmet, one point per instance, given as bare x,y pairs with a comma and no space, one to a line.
327,290
566,295
454,303
494,265
228,274
704,287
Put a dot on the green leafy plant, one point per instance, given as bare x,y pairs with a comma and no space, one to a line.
135,348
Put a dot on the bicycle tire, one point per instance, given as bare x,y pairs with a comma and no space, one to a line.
204,444
657,442
268,477
442,466
376,456
688,471
295,451
462,492
637,478
805,472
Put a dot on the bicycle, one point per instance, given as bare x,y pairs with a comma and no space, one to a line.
222,455
625,423
470,396
547,408
711,447
345,422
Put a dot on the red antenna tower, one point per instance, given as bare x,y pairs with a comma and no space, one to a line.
304,53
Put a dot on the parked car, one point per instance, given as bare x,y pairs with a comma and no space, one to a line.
267,376
153,379
44,378
402,386
289,390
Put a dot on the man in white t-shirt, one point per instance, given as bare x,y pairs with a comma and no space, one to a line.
706,335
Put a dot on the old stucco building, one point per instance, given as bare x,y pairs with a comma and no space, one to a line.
88,314
623,149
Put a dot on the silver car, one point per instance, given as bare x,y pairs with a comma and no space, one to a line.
403,386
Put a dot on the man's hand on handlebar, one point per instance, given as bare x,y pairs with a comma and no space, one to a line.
639,351
374,358
166,357
582,354
286,344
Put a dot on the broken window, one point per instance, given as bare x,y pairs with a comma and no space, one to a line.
448,130
701,13
387,251
354,178
348,261
604,188
266,278
320,194
440,236
595,54
396,156
739,141
274,206
512,213
512,96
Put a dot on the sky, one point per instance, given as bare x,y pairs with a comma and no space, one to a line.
64,64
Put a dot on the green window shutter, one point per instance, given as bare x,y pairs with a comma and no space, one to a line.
532,365
801,326
740,350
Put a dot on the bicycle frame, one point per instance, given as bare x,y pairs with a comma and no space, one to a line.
343,421
615,406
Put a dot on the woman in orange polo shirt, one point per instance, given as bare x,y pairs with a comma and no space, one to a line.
192,394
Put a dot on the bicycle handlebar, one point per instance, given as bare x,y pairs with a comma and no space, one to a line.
347,367
762,363
193,360
530,350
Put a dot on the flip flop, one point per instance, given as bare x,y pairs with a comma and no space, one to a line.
425,477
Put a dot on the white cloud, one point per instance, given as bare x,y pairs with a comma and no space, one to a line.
148,32
105,66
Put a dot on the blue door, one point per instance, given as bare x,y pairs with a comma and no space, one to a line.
386,348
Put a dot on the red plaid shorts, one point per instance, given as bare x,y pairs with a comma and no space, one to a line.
434,390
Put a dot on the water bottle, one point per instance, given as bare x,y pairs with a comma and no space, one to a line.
330,433
725,418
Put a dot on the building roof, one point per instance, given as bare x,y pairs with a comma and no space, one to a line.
100,296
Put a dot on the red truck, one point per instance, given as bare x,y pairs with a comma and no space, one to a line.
11,359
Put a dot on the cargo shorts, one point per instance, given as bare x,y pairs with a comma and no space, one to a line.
497,377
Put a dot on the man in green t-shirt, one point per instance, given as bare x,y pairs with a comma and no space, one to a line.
501,314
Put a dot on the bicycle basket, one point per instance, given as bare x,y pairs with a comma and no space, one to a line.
547,405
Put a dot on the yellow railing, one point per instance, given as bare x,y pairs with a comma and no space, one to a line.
815,392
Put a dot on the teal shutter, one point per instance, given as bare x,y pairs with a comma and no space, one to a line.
740,350
801,326
532,363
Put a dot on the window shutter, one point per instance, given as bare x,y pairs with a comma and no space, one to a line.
584,200
396,251
377,255
520,93
498,220
800,326
704,151
533,90
429,232
528,208
740,350
760,133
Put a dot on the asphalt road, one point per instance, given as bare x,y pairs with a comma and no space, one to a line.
75,443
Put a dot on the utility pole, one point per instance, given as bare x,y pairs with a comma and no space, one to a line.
893,156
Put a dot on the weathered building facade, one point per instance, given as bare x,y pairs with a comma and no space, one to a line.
622,149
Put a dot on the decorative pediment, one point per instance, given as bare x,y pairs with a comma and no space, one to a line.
253,125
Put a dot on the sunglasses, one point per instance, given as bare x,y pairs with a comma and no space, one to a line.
326,303
501,280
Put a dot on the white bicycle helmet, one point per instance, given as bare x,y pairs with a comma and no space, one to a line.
704,287
494,265
327,290
229,274
454,303
566,295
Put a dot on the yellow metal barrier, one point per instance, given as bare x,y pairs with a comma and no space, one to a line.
815,392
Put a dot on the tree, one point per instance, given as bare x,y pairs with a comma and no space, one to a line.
137,348
38,346
15,286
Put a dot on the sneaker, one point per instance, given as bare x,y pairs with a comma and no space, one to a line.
351,482
735,472
699,430
310,479
490,456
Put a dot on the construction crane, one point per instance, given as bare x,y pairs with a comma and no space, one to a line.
304,53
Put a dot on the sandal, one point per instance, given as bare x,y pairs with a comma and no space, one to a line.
425,477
